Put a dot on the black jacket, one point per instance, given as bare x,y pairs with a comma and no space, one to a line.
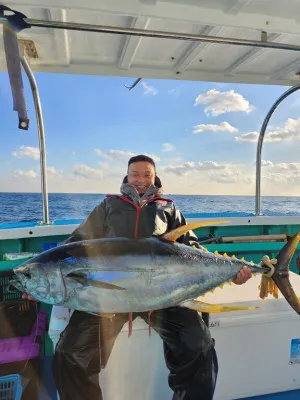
129,215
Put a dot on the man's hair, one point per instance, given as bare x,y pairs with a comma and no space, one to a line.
141,157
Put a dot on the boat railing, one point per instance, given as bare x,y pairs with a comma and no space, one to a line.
260,143
41,134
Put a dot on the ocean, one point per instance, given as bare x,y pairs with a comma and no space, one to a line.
27,207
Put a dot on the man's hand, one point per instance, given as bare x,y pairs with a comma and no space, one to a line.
26,296
243,276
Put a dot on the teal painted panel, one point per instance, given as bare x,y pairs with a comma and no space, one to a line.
10,246
9,265
247,230
220,231
36,244
238,230
252,247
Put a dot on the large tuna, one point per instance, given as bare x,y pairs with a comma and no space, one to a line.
115,275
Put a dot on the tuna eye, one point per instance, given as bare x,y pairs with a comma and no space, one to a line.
27,274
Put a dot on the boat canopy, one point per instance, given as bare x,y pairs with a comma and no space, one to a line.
237,41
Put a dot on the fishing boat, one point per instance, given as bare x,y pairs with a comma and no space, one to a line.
232,41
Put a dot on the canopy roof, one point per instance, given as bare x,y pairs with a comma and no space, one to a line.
80,52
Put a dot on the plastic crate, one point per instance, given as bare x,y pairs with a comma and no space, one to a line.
25,347
10,387
7,292
17,318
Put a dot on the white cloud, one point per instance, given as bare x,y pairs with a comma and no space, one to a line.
191,166
288,166
231,175
281,173
27,151
179,177
168,147
86,172
117,155
30,174
289,131
223,126
265,163
149,89
153,156
52,171
223,102
210,172
99,152
122,156
281,167
247,137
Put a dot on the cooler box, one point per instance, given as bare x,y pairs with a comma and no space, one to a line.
258,351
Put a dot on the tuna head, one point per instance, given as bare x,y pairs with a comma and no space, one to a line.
44,282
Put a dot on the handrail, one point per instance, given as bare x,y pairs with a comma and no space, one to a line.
260,142
41,133
18,21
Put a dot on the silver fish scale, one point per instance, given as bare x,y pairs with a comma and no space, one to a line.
162,281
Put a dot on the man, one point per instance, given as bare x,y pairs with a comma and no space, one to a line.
86,343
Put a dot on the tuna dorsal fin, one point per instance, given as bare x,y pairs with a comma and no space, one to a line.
199,306
173,235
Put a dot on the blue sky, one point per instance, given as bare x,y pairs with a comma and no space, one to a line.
199,133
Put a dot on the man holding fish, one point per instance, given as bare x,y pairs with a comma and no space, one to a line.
86,343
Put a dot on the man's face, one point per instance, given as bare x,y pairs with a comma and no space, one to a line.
141,175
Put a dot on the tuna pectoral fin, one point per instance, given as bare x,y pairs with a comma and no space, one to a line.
91,282
173,235
211,308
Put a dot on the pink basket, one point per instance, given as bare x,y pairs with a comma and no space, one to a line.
24,347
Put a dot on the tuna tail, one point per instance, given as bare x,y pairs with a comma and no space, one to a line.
281,274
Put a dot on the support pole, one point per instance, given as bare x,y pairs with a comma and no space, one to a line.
41,133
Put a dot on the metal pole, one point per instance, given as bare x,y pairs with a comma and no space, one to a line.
155,34
260,142
40,125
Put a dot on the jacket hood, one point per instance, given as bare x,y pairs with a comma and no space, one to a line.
131,192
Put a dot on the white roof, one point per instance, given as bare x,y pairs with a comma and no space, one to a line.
66,51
